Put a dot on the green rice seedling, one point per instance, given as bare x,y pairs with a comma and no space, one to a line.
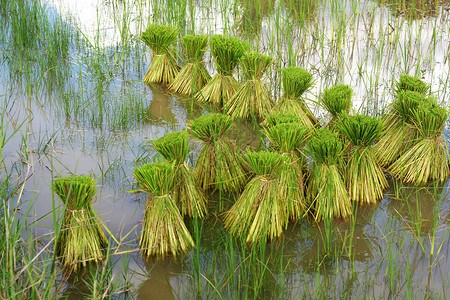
227,51
193,76
163,67
280,118
426,159
337,100
81,238
411,83
288,140
326,190
253,97
174,148
218,166
364,177
296,82
260,213
163,228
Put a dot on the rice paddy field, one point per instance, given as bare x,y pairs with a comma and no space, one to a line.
73,102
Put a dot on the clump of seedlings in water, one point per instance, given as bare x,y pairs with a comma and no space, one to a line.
326,191
227,51
174,148
163,67
426,159
296,82
280,118
364,177
193,76
81,238
163,228
260,213
288,139
411,83
253,98
218,166
337,100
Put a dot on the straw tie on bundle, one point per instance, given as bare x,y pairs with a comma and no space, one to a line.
174,148
364,177
218,165
227,51
253,97
163,67
163,228
326,191
81,238
260,213
288,139
193,76
337,100
296,82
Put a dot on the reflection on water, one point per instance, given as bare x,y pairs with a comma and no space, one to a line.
160,106
416,9
301,10
253,13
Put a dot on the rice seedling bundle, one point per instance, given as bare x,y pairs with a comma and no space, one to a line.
364,177
163,228
411,83
326,190
174,148
193,76
337,100
426,159
253,97
163,67
296,82
260,212
227,51
81,239
288,139
280,118
218,166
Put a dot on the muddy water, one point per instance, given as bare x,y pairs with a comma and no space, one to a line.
380,253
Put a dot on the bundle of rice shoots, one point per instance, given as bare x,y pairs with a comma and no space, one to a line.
411,83
187,194
337,100
193,76
163,67
296,82
364,177
253,97
81,238
227,51
426,160
326,191
260,212
280,118
218,165
163,228
288,140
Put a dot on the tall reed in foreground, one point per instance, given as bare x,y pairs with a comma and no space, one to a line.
227,51
253,97
174,148
81,239
193,76
260,213
364,177
326,191
163,228
218,166
163,67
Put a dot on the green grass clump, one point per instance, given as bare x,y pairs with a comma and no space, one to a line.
81,239
253,97
296,82
163,67
280,118
163,228
174,148
218,166
337,100
326,190
193,76
364,177
227,51
260,213
288,139
411,83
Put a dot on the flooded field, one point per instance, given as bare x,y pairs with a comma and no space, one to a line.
73,102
